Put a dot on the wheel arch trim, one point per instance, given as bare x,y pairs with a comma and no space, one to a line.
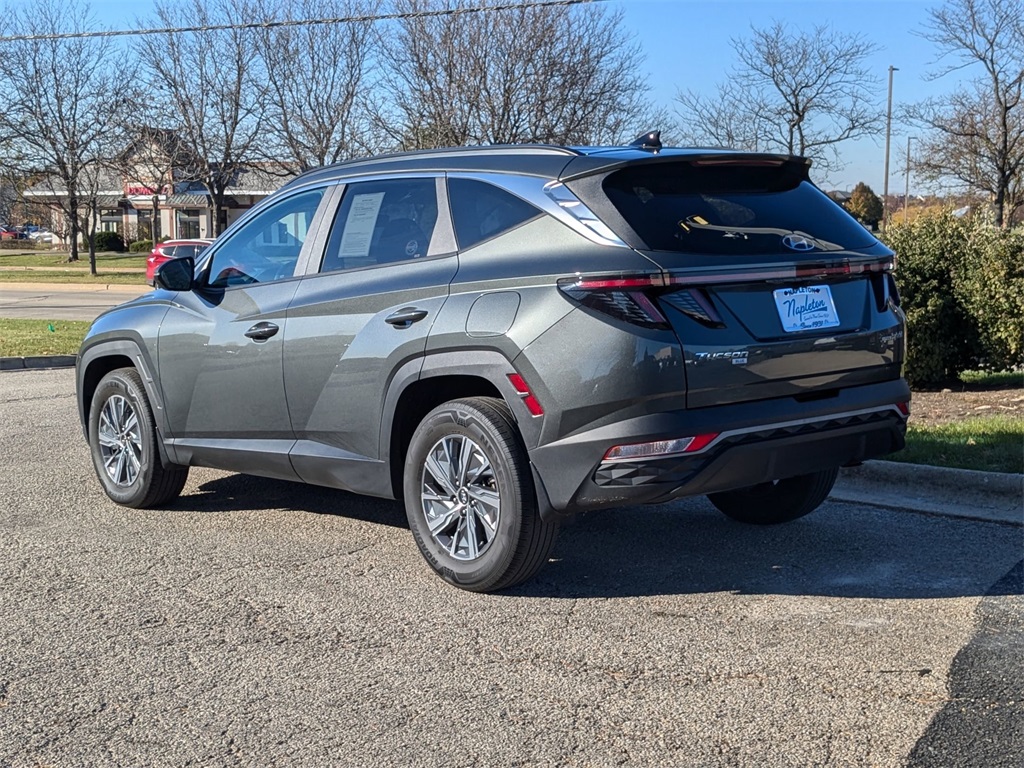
487,365
94,363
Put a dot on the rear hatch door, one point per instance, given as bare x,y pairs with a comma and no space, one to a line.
772,288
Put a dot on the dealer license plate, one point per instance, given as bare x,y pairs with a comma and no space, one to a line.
807,308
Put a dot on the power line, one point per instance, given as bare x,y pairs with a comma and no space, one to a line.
301,22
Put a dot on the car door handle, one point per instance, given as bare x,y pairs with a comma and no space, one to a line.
405,317
262,331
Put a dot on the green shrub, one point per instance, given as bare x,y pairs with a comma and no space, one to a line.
991,288
109,241
941,339
141,245
962,287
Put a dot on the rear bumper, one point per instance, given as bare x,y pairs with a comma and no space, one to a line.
759,441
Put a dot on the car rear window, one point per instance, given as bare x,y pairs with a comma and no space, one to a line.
734,209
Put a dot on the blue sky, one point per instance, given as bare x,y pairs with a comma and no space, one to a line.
687,45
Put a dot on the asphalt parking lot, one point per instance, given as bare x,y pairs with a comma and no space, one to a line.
260,623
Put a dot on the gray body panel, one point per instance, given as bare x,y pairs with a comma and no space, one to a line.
341,354
225,391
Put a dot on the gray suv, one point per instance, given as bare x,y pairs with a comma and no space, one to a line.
503,336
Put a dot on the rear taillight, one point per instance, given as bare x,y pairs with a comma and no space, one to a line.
788,272
624,297
695,303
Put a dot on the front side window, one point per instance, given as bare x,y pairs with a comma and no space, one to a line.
266,247
382,222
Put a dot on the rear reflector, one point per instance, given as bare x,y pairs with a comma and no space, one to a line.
660,448
904,408
523,390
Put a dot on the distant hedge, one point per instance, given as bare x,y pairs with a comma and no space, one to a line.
141,245
962,287
109,241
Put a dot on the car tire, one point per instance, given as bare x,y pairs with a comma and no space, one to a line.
470,498
777,502
123,443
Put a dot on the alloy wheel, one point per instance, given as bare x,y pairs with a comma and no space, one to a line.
120,441
460,497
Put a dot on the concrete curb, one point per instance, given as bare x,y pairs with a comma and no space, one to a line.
988,496
36,363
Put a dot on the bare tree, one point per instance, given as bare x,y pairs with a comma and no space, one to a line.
317,82
554,74
801,93
156,159
60,107
209,88
730,118
976,136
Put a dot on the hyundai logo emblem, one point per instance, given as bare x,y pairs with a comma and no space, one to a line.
798,243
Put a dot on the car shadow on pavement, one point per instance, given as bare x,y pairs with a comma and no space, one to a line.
841,550
687,546
248,492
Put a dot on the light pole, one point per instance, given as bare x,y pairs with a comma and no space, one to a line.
888,131
906,189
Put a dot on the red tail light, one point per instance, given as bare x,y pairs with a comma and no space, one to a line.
621,296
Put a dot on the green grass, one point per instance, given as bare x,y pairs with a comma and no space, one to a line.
53,267
977,380
25,338
59,260
989,444
104,277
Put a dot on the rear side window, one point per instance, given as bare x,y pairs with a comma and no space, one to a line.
382,222
731,210
481,211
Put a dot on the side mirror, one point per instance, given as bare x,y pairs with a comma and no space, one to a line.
176,274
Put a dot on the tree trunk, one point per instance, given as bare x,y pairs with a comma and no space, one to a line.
999,206
73,210
218,205
92,240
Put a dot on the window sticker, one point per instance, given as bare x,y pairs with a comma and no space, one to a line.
362,217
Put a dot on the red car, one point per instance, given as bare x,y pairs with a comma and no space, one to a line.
173,249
